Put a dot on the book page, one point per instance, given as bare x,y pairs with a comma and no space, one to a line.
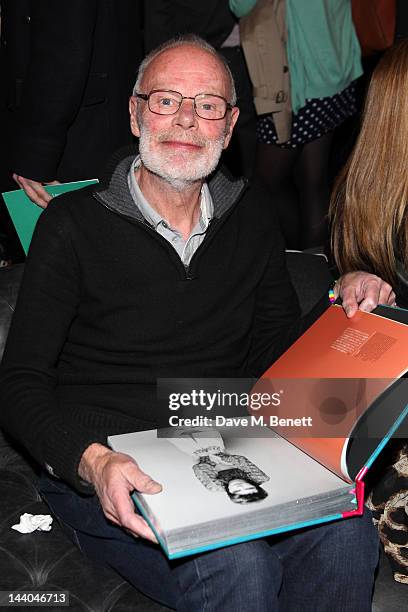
191,492
331,375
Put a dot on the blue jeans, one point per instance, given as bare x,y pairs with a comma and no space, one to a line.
329,568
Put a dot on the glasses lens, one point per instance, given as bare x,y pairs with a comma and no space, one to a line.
210,107
164,102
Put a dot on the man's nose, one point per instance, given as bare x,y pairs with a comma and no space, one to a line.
186,115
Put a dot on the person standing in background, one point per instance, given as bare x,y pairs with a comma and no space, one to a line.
318,41
67,70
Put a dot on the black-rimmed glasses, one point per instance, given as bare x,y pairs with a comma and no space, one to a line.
168,102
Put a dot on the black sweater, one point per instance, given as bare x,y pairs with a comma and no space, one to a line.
106,307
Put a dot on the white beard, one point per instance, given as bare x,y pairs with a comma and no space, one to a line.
180,168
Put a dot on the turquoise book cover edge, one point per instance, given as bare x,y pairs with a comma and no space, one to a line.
232,541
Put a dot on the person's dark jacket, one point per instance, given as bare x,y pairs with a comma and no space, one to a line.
164,19
67,69
106,308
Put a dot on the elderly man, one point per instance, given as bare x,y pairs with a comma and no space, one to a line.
157,273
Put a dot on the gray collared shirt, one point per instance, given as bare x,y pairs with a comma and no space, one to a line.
185,248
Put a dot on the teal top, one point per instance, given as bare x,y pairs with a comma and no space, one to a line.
241,7
323,50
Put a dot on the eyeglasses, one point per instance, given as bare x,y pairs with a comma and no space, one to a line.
167,102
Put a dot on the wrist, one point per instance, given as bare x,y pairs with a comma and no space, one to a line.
334,291
92,458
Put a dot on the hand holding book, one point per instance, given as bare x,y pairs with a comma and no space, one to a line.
303,478
114,476
362,291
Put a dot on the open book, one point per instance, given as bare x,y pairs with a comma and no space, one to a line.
342,392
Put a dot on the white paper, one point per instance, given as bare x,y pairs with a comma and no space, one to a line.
33,522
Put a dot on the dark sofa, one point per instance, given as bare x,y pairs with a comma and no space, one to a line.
48,561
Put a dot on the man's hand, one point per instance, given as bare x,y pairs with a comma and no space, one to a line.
114,476
363,291
35,190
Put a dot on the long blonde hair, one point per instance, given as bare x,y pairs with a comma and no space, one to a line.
368,208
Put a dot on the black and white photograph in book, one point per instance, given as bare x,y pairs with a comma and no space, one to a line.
217,469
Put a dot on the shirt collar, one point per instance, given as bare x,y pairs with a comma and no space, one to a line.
151,215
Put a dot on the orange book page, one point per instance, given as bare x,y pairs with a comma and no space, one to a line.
336,370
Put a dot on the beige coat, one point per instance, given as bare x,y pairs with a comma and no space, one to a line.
263,38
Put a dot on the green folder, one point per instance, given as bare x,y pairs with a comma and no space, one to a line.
24,213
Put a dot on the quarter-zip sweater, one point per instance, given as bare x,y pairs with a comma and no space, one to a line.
106,307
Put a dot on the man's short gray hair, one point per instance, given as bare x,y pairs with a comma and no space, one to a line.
180,41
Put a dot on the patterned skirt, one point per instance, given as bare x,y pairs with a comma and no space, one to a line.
316,118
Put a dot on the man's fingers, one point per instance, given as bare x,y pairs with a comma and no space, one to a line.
145,484
137,527
116,475
120,510
136,478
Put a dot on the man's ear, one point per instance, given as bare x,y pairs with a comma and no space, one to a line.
134,124
231,124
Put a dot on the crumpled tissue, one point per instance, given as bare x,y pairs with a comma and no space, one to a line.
33,522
